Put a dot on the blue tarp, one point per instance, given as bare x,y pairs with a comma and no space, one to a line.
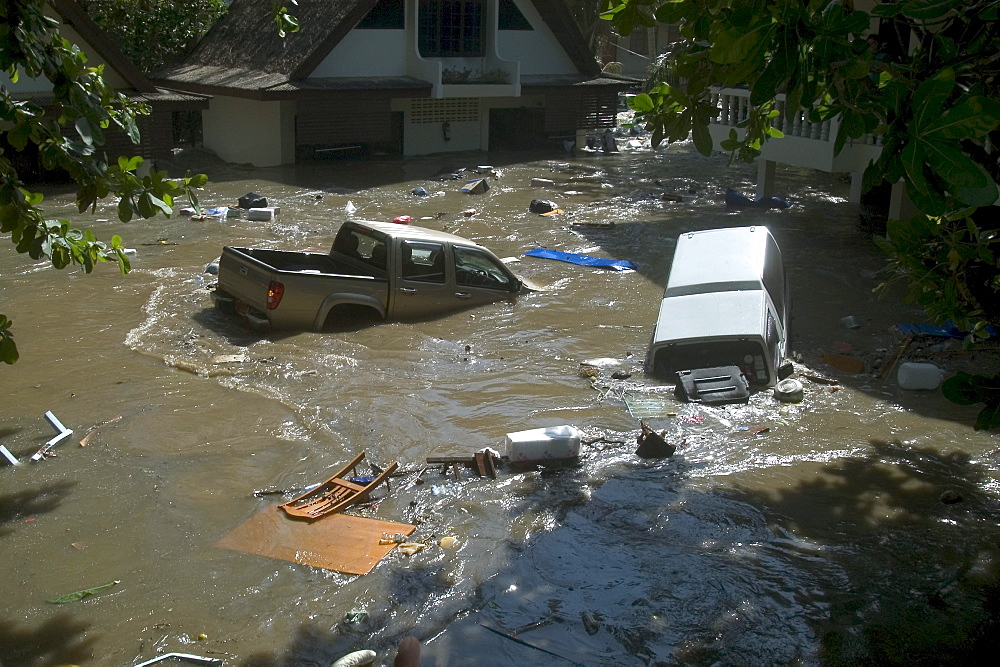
946,330
583,260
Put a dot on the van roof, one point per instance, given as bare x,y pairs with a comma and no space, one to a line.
700,317
718,260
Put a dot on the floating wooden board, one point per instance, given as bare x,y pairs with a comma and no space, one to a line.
339,542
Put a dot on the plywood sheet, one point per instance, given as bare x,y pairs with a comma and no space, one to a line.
340,542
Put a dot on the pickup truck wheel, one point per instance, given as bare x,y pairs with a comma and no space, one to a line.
350,316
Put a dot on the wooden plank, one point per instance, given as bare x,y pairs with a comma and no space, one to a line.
339,542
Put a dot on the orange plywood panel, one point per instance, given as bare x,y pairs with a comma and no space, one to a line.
340,542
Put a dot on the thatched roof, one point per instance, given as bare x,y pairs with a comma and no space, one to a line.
244,52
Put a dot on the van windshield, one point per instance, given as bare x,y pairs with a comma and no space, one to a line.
748,355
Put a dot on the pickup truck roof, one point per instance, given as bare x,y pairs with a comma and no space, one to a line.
394,230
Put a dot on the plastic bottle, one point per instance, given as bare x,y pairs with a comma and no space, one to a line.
919,376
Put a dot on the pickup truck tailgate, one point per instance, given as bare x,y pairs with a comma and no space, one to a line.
244,278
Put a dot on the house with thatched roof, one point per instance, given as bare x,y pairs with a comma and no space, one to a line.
410,77
156,130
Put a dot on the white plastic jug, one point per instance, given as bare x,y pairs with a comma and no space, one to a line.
922,376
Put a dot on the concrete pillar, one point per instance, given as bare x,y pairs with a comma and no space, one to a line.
765,178
900,206
857,179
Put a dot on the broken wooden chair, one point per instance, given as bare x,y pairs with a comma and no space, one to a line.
336,493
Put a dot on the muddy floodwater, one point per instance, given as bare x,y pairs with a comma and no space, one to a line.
825,539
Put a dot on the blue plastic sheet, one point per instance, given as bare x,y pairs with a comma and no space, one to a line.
582,260
946,330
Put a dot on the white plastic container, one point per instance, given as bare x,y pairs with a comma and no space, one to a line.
542,444
920,376
262,214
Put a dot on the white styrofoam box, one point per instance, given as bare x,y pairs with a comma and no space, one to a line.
262,214
540,444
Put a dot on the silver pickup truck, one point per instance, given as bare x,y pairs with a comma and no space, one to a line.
374,271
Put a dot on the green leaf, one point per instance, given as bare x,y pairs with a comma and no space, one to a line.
927,10
79,595
973,117
989,417
641,102
930,97
953,166
83,128
702,138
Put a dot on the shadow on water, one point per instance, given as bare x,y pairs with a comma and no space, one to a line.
744,576
24,505
61,640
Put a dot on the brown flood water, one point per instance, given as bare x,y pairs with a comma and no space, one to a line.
823,540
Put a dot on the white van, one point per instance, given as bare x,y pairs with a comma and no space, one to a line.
726,304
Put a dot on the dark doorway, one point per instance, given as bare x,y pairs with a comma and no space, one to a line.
516,129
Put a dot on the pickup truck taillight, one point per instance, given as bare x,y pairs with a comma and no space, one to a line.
275,291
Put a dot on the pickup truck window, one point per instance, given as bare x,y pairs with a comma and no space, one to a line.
422,261
474,268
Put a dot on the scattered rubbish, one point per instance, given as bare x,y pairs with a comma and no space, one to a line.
897,355
621,375
589,371
357,659
262,214
541,444
61,434
582,260
532,626
755,429
725,304
402,219
919,376
469,212
486,463
542,183
354,617
252,200
93,429
336,493
419,192
591,622
448,542
850,322
212,268
650,405
556,211
8,456
341,542
524,643
410,548
713,386
229,358
445,489
202,637
736,200
182,657
789,390
161,242
350,208
476,186
217,212
542,206
819,379
79,546
693,419
844,363
652,445
79,595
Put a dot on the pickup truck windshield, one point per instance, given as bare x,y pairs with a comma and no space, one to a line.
474,268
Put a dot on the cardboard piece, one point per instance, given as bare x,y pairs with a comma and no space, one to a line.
339,542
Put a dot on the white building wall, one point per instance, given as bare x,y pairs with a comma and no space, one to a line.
366,53
538,50
242,131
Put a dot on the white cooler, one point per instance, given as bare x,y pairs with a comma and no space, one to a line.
542,444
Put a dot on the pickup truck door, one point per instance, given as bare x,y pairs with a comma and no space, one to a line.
422,285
